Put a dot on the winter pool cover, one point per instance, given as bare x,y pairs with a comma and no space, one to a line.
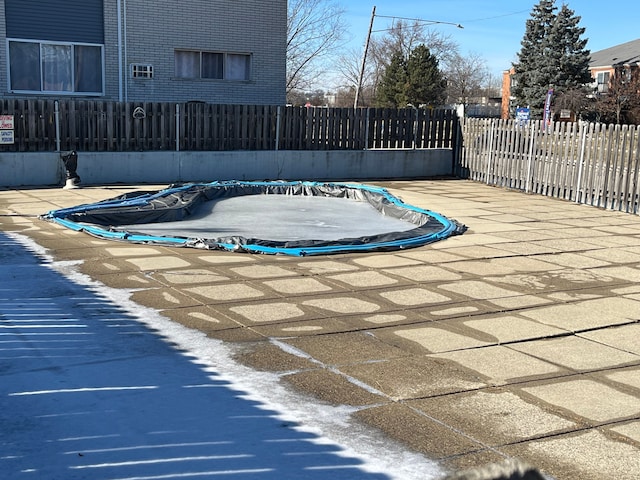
293,218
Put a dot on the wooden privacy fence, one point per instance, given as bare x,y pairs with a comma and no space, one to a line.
594,164
104,126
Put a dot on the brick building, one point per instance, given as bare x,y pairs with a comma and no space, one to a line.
139,50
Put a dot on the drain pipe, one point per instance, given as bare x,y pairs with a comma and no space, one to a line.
119,15
124,47
278,120
177,127
56,115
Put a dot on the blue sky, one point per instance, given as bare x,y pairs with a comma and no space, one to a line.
495,28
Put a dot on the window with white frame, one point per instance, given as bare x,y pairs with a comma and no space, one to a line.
61,68
602,79
212,65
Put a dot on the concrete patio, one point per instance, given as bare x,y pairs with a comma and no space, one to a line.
518,339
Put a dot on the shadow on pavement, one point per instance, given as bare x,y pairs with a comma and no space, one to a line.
88,391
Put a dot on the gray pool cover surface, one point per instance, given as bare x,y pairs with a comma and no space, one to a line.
294,218
280,218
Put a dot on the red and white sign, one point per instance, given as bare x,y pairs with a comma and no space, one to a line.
6,122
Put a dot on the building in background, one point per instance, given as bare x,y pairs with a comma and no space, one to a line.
602,66
604,62
139,50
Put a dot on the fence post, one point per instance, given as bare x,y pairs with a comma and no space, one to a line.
278,120
415,127
530,163
583,144
177,127
490,155
456,148
366,129
56,115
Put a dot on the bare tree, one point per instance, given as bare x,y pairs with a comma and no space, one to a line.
349,66
404,36
622,99
314,31
467,78
575,99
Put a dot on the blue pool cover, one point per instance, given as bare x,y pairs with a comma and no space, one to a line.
262,217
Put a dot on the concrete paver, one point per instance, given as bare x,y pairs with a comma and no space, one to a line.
588,399
500,417
629,430
588,314
365,278
512,328
624,338
591,455
437,339
516,339
625,377
501,365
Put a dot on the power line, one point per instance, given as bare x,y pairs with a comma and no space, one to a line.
496,16
420,20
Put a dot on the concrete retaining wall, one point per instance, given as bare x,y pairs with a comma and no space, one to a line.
98,168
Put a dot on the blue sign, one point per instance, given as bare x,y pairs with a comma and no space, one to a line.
523,114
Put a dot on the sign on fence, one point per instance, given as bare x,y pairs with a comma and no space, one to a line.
522,115
6,129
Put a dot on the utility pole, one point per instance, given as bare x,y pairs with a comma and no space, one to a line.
364,58
366,45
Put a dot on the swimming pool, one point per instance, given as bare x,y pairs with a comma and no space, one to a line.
273,217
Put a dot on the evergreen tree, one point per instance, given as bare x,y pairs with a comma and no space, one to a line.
392,89
569,52
425,84
416,80
531,71
552,56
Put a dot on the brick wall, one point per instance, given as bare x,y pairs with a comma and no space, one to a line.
154,29
256,27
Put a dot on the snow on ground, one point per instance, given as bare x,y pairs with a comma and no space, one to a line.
93,386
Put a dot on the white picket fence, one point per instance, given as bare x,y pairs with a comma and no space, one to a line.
587,163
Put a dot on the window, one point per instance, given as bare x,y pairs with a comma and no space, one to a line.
212,65
55,67
187,64
87,62
141,71
237,67
57,73
602,80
